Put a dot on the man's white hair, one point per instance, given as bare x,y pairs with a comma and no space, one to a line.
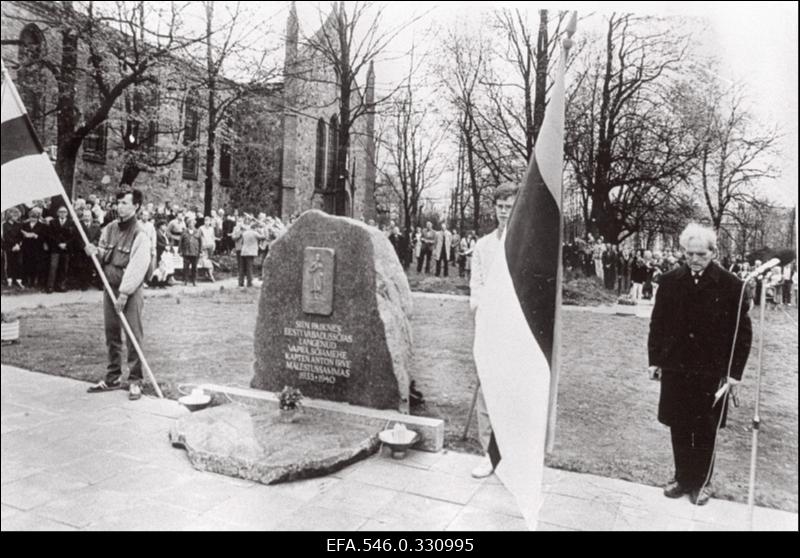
700,232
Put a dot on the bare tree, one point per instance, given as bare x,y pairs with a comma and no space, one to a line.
413,144
235,37
735,153
517,103
627,125
123,43
461,68
349,41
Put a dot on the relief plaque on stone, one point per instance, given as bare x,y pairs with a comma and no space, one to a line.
318,281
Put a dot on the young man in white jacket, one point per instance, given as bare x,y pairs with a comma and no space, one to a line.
482,257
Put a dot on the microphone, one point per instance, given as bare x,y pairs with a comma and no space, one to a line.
763,268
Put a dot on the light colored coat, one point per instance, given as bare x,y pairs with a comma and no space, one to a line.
447,238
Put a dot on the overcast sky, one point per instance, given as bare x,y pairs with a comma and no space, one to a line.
757,43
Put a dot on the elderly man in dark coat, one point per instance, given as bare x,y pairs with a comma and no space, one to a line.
699,341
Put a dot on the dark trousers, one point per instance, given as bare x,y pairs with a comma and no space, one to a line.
14,265
462,262
442,259
59,266
83,270
425,254
32,265
693,450
246,268
190,269
133,314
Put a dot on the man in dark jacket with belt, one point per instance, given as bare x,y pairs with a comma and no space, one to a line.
698,312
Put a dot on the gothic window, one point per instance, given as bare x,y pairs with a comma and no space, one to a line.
141,128
319,167
30,78
333,144
191,133
95,142
225,164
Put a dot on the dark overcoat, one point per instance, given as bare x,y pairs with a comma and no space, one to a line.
692,338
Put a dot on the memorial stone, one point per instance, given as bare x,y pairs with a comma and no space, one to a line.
333,317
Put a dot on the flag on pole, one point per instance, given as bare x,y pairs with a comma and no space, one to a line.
27,173
516,336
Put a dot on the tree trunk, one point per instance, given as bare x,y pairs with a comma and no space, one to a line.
540,102
473,182
67,114
130,172
208,195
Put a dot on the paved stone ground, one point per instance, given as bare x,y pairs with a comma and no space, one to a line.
74,461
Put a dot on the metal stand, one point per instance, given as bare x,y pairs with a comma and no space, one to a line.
756,418
471,411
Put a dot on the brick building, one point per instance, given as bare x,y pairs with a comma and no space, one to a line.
273,154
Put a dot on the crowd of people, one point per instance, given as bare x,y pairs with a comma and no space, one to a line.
443,247
44,250
636,273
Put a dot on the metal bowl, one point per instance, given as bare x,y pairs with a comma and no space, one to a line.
398,441
194,403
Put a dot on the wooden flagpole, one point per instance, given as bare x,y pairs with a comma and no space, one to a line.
555,364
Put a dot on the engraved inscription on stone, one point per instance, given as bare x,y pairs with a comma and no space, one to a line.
318,352
318,281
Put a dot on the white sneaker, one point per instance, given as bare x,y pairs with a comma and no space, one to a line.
483,470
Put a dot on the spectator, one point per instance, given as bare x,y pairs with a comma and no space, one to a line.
454,247
427,239
12,247
417,243
189,250
249,250
208,245
85,272
33,249
442,242
175,229
597,258
638,277
624,264
60,237
162,240
609,260
463,250
786,286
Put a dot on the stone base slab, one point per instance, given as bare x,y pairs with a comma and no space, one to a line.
431,430
257,444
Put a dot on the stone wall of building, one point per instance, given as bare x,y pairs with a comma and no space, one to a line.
310,95
272,137
158,183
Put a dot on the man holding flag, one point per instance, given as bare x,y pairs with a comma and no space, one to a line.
517,315
125,250
28,174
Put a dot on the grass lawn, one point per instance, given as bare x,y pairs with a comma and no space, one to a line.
607,407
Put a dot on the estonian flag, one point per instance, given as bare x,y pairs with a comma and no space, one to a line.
27,173
516,331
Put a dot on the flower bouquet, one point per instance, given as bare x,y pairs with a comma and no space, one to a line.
289,403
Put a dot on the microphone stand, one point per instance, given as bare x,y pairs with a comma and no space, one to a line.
756,417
